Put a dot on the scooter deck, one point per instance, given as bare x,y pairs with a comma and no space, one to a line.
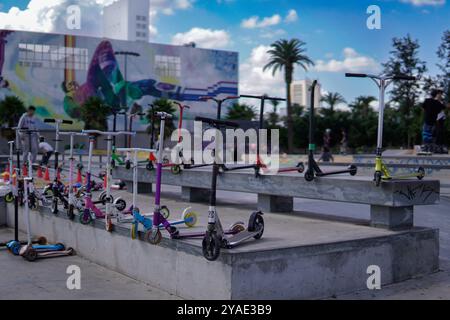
54,254
240,237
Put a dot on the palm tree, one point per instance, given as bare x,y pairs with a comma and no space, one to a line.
94,114
332,99
362,104
161,105
241,112
11,109
275,104
284,55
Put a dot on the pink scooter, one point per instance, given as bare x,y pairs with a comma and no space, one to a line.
91,211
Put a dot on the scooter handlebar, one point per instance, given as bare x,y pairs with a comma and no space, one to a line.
356,75
404,77
58,120
135,149
261,97
106,133
217,123
163,115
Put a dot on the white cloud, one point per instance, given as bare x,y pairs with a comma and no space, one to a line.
292,16
204,38
50,15
272,34
254,80
256,22
352,62
420,3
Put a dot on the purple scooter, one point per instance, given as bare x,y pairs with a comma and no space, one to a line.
153,235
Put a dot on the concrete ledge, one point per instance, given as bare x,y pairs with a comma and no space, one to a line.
396,193
298,272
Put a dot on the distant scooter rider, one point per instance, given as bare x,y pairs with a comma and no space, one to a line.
28,122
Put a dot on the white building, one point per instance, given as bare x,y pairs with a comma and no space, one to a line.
301,93
127,20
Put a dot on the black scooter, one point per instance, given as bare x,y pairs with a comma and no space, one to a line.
260,165
313,168
215,237
56,189
14,245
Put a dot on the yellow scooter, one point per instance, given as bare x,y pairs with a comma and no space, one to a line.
381,170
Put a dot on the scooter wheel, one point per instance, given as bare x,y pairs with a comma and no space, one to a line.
190,219
353,170
134,230
165,212
85,218
237,227
300,167
30,254
70,212
211,246
149,166
9,197
42,241
377,178
420,173
256,223
120,204
309,175
166,161
153,236
71,252
176,170
55,206
103,197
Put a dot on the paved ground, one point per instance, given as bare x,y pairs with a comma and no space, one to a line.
46,279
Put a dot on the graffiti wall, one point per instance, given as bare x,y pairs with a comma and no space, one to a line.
58,73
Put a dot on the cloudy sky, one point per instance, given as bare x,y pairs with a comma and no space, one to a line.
335,32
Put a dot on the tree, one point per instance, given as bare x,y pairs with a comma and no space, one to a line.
94,114
241,112
404,60
11,109
443,54
332,99
161,105
285,55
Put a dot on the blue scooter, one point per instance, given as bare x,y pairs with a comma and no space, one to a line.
31,251
188,217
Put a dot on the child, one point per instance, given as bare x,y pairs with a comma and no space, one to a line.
46,149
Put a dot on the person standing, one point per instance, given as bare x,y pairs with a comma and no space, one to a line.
432,107
326,155
29,142
344,142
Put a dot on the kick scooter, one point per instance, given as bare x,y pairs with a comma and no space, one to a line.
260,165
188,217
14,245
313,168
215,238
57,189
73,198
381,170
219,103
32,252
153,232
91,211
9,197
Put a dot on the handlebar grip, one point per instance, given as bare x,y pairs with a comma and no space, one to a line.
164,115
205,98
356,75
49,120
67,122
404,77
217,123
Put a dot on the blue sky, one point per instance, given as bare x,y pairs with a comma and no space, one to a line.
335,32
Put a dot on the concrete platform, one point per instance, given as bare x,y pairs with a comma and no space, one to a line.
298,257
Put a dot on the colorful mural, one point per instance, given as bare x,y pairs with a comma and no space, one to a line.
58,73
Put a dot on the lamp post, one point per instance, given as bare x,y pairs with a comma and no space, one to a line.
126,54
